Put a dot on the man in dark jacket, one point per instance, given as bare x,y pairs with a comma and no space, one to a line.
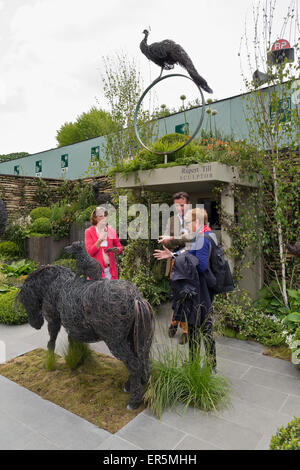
192,298
175,237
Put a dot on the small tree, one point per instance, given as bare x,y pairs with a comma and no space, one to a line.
122,87
274,125
94,123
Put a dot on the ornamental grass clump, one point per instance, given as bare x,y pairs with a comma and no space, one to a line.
177,380
76,354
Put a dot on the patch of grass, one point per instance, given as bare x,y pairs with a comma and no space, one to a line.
50,361
77,354
229,333
241,337
94,391
279,352
175,380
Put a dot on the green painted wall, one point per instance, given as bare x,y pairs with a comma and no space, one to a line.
230,121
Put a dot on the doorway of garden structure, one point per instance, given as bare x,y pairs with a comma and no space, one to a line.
200,182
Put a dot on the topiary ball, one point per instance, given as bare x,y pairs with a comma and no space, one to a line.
41,225
39,212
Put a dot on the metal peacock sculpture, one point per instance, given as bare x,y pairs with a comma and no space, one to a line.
167,53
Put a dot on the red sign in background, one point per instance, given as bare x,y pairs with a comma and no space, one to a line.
281,44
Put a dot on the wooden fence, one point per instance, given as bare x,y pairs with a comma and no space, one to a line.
19,192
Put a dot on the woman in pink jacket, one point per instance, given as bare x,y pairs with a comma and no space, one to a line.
102,243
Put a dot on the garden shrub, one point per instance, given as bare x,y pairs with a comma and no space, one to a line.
61,218
17,233
84,215
11,312
18,268
236,312
39,212
9,249
41,225
139,266
67,263
287,437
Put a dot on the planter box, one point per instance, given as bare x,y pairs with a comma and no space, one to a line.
45,250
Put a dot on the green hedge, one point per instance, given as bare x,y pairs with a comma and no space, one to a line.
39,212
9,249
11,313
287,437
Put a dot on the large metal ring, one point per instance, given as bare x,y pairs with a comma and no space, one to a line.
159,79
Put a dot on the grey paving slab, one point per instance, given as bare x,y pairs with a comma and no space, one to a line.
265,393
191,443
258,360
291,406
38,442
216,431
264,443
116,443
148,433
249,346
13,434
72,432
62,428
254,417
231,369
265,397
271,379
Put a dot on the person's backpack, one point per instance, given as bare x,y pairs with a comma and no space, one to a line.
218,274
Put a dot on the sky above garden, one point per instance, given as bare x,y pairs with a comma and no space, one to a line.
51,55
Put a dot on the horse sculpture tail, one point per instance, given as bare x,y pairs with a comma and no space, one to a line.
143,332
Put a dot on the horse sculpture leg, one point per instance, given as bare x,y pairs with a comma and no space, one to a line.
53,329
133,385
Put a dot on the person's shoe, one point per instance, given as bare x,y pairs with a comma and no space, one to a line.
183,338
172,330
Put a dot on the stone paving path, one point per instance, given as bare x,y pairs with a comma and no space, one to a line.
265,395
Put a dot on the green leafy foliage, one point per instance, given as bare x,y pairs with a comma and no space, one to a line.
82,216
138,266
287,437
11,312
18,268
17,233
198,151
60,220
270,301
9,249
236,312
